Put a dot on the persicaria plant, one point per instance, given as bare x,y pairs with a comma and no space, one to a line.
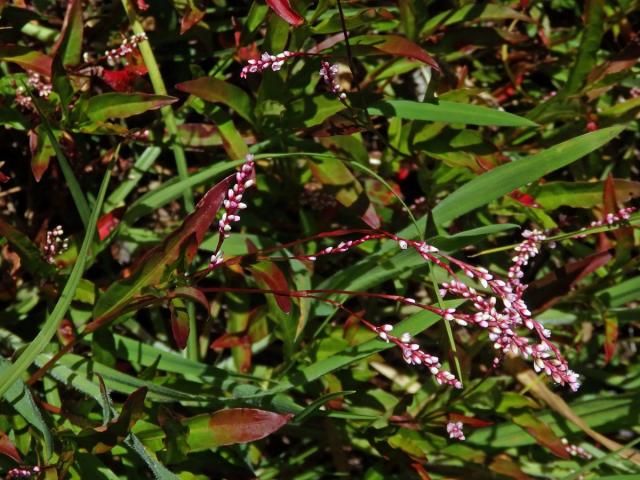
298,240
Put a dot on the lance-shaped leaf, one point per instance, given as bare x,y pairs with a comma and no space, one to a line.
448,112
69,45
8,448
218,91
397,46
268,275
542,433
122,105
151,267
284,10
27,58
41,150
552,195
179,322
232,426
610,335
191,16
347,189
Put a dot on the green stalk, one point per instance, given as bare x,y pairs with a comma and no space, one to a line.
26,358
167,112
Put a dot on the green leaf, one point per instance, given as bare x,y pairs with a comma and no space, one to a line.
589,45
27,58
48,330
214,90
506,178
448,112
122,105
20,398
70,46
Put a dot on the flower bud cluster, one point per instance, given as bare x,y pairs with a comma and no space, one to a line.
55,244
266,61
23,472
328,73
413,354
37,83
575,450
610,219
233,203
454,429
127,47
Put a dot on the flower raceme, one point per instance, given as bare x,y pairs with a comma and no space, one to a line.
267,61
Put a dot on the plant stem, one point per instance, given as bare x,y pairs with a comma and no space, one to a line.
167,112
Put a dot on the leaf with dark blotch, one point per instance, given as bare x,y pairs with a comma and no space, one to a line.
542,433
548,290
27,58
123,105
218,91
8,448
268,275
284,10
151,267
232,426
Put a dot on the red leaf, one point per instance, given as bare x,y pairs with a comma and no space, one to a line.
109,221
190,18
243,425
4,178
610,335
268,274
123,80
284,10
420,470
142,5
524,198
8,448
542,433
191,293
471,421
179,322
401,47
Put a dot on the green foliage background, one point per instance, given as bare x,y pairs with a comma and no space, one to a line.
464,122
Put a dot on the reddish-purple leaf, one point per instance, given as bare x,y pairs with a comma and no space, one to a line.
524,198
233,426
542,433
8,448
41,151
284,10
471,421
610,335
4,178
191,17
268,275
179,322
191,293
397,46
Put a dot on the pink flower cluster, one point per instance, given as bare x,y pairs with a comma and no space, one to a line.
454,429
55,244
611,219
575,450
498,308
414,355
127,47
328,73
266,61
23,472
233,205
39,84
